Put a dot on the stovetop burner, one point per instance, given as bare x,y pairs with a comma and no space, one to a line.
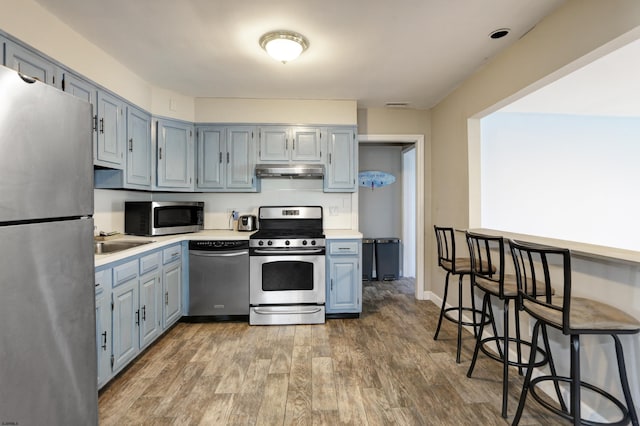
289,226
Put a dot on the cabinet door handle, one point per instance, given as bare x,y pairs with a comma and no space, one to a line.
95,123
102,125
166,298
131,145
144,313
286,144
160,153
138,317
329,158
293,145
331,284
227,158
220,157
104,341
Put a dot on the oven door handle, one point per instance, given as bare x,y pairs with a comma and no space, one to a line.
214,254
285,252
297,310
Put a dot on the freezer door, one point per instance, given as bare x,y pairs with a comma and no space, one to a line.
47,314
46,166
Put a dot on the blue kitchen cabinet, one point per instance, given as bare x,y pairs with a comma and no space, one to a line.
172,284
283,144
174,155
150,297
241,159
138,146
212,158
342,161
30,63
87,91
226,158
103,324
110,131
344,279
125,314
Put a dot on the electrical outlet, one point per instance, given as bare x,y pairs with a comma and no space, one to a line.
233,214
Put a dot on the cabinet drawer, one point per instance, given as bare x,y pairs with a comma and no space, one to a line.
344,247
102,280
171,253
125,272
149,262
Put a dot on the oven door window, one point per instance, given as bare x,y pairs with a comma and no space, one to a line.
287,275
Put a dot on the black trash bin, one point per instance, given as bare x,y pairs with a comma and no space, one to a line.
367,258
387,258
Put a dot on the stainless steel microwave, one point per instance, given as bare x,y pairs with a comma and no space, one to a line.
148,218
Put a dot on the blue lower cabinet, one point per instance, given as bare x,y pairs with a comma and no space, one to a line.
344,283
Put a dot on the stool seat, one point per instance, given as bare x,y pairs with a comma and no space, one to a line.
587,317
462,265
510,288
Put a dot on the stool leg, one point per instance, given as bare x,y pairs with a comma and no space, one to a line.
505,359
444,302
575,378
624,381
460,319
473,308
485,302
527,377
518,339
552,368
495,330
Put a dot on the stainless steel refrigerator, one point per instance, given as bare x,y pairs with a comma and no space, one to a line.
47,301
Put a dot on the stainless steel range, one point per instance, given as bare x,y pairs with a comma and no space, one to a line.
287,266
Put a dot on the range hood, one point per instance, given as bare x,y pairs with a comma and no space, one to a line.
292,171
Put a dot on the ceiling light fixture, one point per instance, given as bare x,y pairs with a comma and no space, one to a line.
284,46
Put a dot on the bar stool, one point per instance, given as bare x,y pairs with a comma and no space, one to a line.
573,317
488,274
460,266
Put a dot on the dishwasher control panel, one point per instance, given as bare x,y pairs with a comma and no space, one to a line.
207,245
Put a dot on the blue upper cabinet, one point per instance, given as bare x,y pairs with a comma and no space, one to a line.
138,146
241,159
283,144
174,155
85,90
226,158
31,64
307,145
211,152
342,161
110,131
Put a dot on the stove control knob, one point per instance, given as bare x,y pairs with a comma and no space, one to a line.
313,242
304,242
286,243
260,243
270,243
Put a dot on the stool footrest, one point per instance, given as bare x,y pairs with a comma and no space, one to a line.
525,361
564,414
483,317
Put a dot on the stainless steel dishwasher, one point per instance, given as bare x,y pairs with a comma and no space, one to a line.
219,279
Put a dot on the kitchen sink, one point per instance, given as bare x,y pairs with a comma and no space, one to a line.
105,247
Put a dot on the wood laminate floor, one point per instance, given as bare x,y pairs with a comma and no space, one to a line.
381,369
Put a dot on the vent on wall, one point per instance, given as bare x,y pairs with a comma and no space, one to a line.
396,104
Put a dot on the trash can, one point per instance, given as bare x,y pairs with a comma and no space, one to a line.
387,258
367,258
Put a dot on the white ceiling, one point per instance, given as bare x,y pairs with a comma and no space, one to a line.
372,51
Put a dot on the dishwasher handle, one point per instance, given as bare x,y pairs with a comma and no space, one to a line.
203,253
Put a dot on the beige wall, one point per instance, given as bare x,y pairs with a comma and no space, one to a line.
554,47
389,121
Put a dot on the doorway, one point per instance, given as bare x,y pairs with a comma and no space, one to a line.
410,149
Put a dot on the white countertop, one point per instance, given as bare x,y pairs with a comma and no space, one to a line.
207,234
